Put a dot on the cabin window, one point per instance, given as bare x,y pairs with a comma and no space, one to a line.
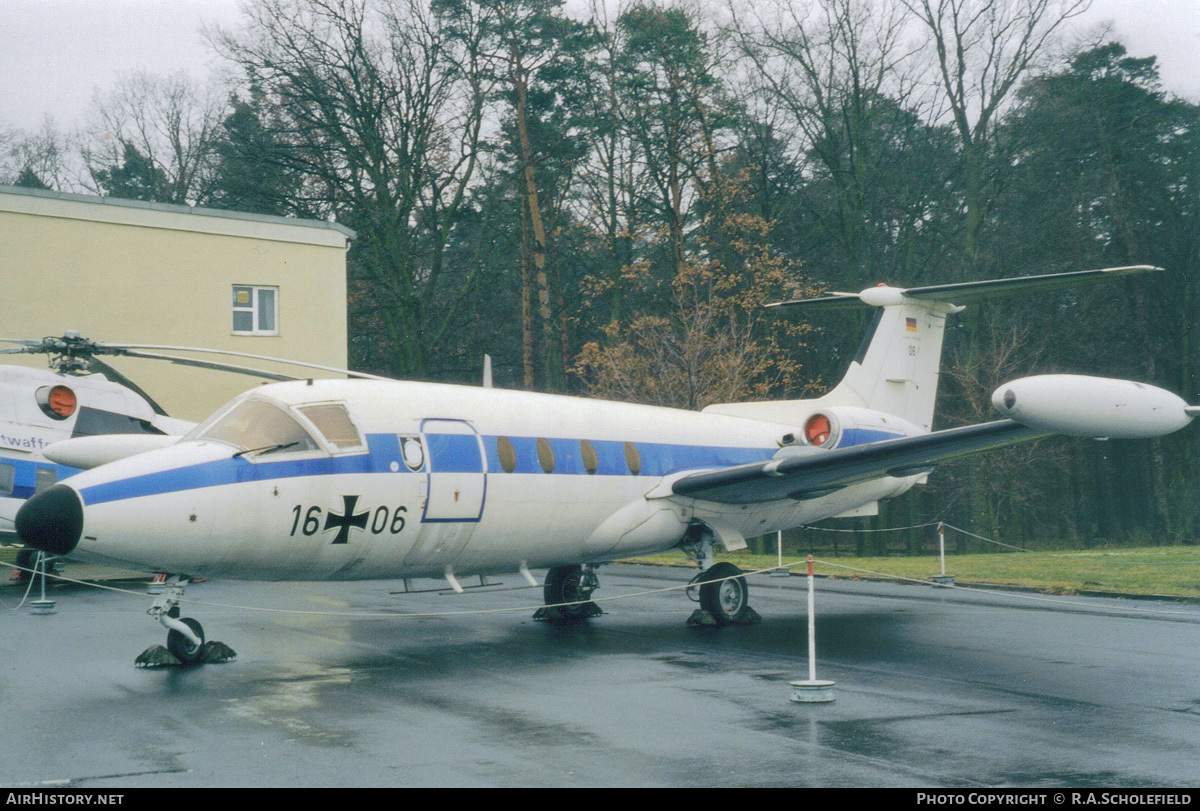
591,463
7,478
633,458
45,478
507,454
545,455
255,310
256,425
334,423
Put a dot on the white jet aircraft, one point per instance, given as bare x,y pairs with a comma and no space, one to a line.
365,479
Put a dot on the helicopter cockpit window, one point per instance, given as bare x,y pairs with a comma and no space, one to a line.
256,425
334,424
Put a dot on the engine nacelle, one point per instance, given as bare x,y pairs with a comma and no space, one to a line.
844,426
1077,405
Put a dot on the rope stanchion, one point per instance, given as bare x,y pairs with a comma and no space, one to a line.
812,690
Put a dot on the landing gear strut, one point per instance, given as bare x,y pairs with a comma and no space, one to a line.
185,636
572,585
724,596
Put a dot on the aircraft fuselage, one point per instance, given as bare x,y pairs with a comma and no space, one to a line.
439,478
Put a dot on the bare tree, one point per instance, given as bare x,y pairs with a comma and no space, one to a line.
167,125
35,160
841,73
983,48
380,108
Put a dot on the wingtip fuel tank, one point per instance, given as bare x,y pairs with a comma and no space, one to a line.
1078,405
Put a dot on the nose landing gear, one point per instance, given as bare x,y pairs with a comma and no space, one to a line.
185,636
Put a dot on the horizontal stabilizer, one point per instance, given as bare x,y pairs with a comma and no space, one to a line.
970,292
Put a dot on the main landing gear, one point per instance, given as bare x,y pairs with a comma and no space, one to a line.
568,594
185,636
724,596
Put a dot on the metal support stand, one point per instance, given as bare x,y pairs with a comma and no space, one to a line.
943,579
161,611
812,690
43,606
779,571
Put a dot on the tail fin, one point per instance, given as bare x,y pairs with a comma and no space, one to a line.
897,367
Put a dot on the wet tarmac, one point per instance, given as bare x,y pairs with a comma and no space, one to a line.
934,688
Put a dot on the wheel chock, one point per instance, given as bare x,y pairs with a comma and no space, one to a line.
554,613
213,653
703,619
156,656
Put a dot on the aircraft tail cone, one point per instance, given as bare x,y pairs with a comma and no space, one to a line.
52,520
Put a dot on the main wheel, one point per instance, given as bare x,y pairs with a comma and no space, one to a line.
181,647
727,600
564,585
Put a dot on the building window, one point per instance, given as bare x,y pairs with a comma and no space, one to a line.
255,310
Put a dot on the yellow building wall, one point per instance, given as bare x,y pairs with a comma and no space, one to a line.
153,282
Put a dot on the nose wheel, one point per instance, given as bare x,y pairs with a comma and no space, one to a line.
187,648
185,636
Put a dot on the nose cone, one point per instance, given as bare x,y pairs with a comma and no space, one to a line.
51,521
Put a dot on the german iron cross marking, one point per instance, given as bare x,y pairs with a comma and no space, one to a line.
346,520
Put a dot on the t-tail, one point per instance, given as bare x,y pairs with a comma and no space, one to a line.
891,386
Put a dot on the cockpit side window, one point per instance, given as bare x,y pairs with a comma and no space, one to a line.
256,425
334,423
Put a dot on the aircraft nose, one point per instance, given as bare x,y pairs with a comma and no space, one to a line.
52,520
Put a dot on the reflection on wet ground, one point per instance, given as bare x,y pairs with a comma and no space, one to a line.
932,690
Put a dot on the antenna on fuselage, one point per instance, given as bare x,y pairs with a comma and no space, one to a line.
487,371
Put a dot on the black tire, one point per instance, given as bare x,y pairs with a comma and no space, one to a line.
727,600
181,647
563,586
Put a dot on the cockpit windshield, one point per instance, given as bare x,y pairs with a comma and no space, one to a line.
256,425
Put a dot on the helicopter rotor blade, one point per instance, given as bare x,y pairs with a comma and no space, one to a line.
208,364
122,347
97,365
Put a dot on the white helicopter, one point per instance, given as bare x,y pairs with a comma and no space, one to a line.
375,478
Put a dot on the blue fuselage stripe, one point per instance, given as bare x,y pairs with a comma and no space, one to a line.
449,453
24,475
864,436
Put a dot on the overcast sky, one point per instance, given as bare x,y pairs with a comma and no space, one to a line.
55,53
